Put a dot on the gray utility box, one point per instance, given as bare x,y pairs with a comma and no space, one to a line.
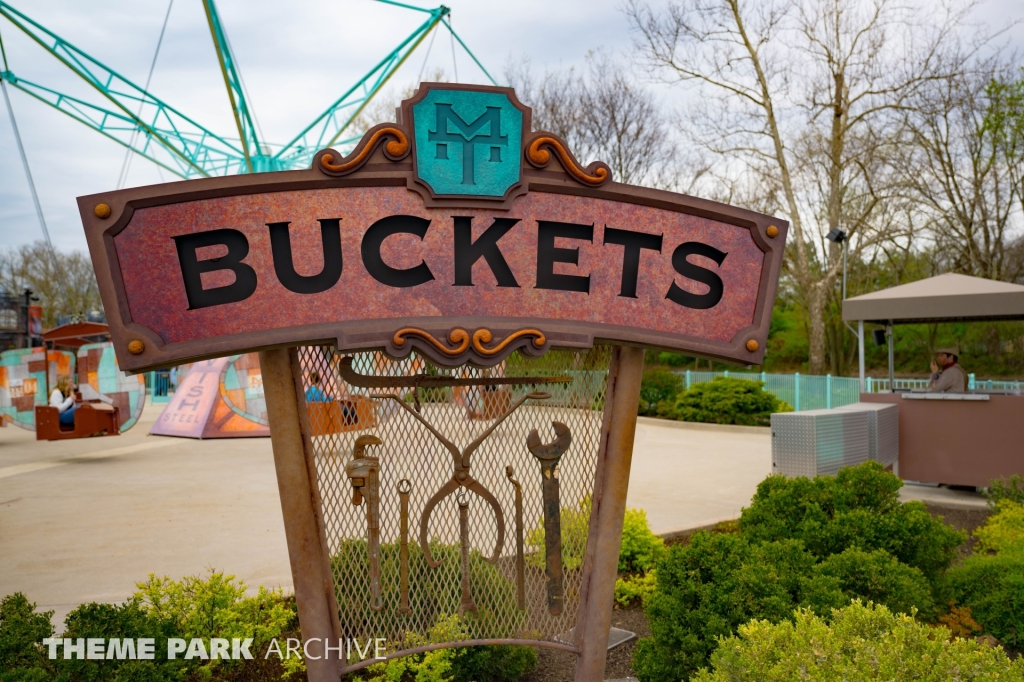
883,430
818,442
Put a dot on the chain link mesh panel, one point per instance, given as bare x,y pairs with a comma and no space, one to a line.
340,413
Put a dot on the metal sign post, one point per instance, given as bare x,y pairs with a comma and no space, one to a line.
451,322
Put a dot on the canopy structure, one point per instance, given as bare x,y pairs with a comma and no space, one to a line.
943,298
76,335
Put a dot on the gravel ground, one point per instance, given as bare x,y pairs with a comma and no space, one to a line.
559,666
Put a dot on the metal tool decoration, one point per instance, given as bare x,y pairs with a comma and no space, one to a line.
549,455
467,603
427,381
404,488
461,477
520,558
364,473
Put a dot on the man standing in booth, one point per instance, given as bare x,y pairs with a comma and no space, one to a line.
947,374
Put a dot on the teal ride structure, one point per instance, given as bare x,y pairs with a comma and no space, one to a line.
135,118
150,127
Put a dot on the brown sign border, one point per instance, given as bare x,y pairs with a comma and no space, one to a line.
381,159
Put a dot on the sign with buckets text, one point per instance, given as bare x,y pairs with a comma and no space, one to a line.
451,321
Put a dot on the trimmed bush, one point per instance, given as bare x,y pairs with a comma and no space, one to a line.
21,635
726,400
1011,489
640,548
878,577
494,594
814,544
214,606
859,644
706,589
1004,530
859,507
633,588
502,663
991,582
658,387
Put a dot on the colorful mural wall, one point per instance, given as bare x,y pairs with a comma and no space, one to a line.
100,379
221,398
24,383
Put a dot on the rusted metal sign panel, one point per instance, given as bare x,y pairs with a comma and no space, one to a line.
355,250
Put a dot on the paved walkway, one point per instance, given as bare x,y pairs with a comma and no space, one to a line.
84,520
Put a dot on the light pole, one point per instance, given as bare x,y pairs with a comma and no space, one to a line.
839,237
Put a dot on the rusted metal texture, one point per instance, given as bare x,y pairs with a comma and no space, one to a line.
549,455
510,594
601,565
145,250
404,488
363,470
520,559
313,593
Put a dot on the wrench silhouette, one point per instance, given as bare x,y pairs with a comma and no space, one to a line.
549,455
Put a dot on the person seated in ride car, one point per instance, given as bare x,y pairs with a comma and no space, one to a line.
315,394
63,398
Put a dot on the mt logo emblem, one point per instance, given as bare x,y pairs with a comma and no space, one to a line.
468,142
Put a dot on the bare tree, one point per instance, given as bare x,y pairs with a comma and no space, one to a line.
603,113
64,282
965,166
804,97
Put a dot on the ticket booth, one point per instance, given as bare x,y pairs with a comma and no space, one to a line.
949,438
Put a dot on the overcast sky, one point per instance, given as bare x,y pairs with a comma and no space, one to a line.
296,58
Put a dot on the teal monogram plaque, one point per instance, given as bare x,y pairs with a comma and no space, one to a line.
468,142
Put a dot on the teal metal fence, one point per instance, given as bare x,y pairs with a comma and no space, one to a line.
815,392
801,391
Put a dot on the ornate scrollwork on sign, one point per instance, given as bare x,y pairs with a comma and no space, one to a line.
482,336
395,149
458,337
538,155
461,342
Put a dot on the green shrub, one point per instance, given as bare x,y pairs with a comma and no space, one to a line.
633,588
494,594
1011,489
726,400
497,663
502,663
216,606
640,548
860,644
991,582
802,543
878,577
21,635
706,589
658,386
575,523
1004,530
209,607
859,507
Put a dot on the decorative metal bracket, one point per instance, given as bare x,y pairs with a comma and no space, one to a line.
462,347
